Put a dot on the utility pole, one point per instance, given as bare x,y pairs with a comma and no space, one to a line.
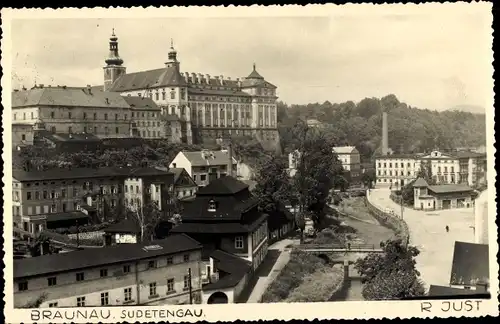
190,287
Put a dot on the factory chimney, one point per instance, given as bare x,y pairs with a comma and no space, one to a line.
385,135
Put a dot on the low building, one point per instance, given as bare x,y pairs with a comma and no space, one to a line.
145,117
351,161
280,224
446,196
225,216
204,166
132,274
75,142
184,185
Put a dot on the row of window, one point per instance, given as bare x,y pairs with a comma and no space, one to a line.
163,94
103,273
150,134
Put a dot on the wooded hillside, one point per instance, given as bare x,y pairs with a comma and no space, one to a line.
410,129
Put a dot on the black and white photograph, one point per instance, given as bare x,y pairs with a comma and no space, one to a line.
163,160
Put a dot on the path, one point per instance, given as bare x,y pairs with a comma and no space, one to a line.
428,234
264,282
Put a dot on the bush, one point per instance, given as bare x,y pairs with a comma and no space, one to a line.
300,265
318,286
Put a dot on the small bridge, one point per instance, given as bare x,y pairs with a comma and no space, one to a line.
339,248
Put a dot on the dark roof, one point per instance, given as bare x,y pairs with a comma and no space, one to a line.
210,228
125,226
75,137
66,216
445,291
178,172
254,74
218,92
234,268
148,79
450,188
396,156
88,258
222,186
207,158
470,264
84,173
278,218
141,102
68,97
420,182
468,154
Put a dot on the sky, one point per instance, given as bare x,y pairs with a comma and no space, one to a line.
433,61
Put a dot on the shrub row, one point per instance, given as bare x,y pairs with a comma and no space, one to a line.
319,286
301,264
82,228
398,225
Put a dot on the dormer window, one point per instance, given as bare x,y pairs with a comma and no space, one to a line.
212,206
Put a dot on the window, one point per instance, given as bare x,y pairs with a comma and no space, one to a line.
95,116
84,115
23,286
52,114
172,94
157,96
80,276
104,272
152,289
126,268
104,299
105,116
186,257
52,281
80,301
170,286
212,206
163,94
51,305
69,115
128,294
116,116
151,264
28,195
186,282
170,260
238,242
23,137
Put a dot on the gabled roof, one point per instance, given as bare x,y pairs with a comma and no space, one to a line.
420,183
223,186
67,97
141,103
470,264
88,258
72,215
450,188
148,79
207,158
344,149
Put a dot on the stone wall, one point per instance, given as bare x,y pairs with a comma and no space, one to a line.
398,225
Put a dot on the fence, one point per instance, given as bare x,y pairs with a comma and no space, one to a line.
398,225
338,246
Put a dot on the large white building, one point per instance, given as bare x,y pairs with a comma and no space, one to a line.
350,158
208,107
446,168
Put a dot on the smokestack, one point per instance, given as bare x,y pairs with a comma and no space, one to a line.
385,135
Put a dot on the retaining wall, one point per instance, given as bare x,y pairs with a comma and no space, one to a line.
398,225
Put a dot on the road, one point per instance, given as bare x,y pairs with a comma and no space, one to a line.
264,282
428,234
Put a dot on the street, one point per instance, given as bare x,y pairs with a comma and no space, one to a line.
428,234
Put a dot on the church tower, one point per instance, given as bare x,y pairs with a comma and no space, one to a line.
113,69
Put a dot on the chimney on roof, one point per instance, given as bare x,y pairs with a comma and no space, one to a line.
208,78
64,87
89,89
186,76
16,90
222,80
41,86
193,77
238,81
229,78
107,101
50,86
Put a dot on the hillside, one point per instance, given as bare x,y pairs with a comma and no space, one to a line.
410,129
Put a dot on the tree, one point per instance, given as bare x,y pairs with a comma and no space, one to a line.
369,177
301,224
273,187
318,170
37,302
392,274
425,172
148,216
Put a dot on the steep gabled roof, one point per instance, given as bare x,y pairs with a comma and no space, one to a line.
420,183
207,158
148,79
67,97
450,188
234,267
223,186
141,103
